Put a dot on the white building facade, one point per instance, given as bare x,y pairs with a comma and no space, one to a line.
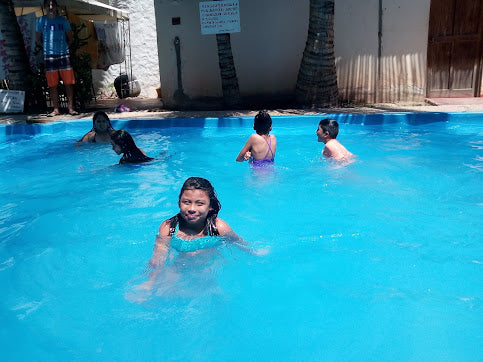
143,51
381,48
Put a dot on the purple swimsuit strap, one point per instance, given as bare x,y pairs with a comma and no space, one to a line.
269,143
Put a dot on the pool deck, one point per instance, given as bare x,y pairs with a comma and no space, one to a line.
152,108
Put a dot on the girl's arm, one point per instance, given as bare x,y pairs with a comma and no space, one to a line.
225,230
245,151
160,246
159,256
88,137
230,236
160,252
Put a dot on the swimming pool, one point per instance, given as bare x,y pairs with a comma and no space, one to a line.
378,260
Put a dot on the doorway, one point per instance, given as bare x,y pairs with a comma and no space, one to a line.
454,48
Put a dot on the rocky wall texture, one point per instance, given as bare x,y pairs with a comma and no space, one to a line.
144,50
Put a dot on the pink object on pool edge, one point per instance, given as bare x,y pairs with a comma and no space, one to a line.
122,108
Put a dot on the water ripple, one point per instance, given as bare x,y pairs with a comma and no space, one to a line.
27,308
7,264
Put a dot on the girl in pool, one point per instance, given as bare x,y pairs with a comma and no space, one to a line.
261,146
197,217
101,130
194,230
122,142
193,233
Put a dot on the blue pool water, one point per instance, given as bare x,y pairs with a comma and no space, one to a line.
378,260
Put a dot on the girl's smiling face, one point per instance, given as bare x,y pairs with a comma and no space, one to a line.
101,124
194,206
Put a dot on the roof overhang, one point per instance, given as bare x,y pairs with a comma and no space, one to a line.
87,9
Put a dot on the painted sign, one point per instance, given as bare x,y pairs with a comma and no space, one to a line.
11,101
218,17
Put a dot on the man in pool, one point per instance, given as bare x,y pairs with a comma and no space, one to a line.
327,132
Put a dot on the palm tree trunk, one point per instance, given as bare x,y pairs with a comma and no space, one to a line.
17,60
317,79
229,80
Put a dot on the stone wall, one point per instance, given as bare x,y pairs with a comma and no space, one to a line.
144,51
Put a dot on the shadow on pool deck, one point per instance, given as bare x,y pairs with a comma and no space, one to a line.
152,108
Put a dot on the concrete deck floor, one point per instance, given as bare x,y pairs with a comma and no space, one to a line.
146,108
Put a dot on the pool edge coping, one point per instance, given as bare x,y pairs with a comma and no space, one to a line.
8,131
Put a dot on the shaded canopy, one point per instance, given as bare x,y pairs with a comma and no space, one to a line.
87,9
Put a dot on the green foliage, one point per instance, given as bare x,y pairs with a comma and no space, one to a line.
38,93
81,63
83,76
107,92
39,90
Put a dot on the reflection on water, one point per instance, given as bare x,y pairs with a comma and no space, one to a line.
384,241
187,275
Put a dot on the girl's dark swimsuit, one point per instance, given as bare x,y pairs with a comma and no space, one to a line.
138,157
186,246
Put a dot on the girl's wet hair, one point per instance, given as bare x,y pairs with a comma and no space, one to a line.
262,123
124,140
331,126
199,183
132,154
101,114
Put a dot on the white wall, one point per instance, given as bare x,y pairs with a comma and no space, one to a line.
143,48
402,74
199,59
404,49
269,48
267,51
356,47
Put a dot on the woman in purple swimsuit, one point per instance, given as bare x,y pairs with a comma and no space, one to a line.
261,146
